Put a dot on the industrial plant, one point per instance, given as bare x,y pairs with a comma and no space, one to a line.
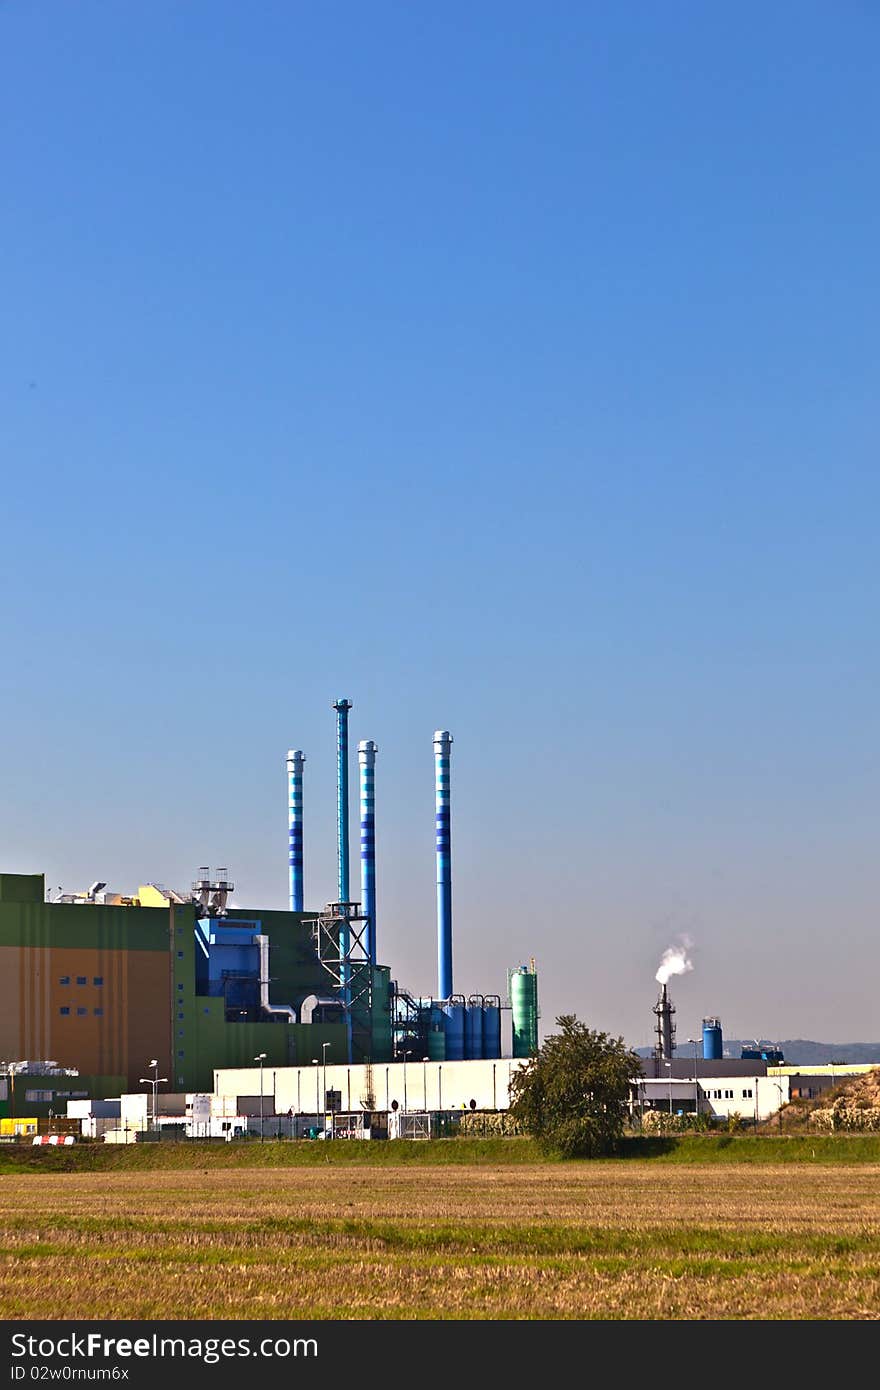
100,981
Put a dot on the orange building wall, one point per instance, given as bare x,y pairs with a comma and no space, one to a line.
134,998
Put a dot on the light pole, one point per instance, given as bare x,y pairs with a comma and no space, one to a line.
324,1047
261,1057
317,1080
696,1085
405,1052
669,1065
425,1084
154,1082
778,1085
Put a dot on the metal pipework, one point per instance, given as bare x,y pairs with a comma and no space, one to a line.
442,746
295,760
367,751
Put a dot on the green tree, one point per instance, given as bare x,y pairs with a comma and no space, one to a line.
572,1096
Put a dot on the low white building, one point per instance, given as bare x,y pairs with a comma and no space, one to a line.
411,1085
753,1098
481,1085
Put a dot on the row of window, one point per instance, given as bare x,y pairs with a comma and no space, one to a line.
44,1096
728,1095
80,1013
82,980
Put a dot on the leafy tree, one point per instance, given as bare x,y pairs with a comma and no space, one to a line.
572,1096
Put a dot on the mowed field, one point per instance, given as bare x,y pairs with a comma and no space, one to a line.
635,1239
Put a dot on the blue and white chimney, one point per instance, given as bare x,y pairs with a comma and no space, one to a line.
367,751
295,760
442,746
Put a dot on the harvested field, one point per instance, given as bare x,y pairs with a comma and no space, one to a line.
581,1240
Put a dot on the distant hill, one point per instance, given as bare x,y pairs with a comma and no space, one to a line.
801,1052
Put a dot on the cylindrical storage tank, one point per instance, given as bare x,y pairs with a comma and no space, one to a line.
492,1026
453,1012
473,1028
713,1042
524,1011
436,1035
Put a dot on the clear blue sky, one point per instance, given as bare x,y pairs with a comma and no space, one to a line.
508,368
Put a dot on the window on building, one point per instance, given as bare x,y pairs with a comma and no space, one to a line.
64,1010
747,1094
180,1033
79,1095
41,1096
180,1053
206,1011
716,1095
98,980
180,986
65,980
99,1013
81,979
80,1013
180,955
179,1017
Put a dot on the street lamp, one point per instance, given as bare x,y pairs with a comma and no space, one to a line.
324,1047
317,1079
405,1054
154,1082
425,1084
696,1085
261,1057
778,1085
669,1065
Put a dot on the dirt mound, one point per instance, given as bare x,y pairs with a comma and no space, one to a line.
853,1105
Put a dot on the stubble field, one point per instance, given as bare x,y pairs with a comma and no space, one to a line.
582,1240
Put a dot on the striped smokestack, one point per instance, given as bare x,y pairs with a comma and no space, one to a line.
295,760
367,751
442,746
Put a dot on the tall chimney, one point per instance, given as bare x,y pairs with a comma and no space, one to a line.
295,760
442,746
664,1028
342,707
367,751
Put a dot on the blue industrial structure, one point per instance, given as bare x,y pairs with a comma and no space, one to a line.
442,746
342,707
447,1027
295,760
367,751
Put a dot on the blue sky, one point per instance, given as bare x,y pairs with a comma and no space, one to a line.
507,368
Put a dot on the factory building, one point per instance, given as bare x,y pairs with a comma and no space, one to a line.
102,981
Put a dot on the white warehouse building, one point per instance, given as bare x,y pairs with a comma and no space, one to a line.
419,1086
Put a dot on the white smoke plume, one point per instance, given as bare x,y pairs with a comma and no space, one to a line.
675,961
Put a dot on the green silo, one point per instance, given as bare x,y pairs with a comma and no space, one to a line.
523,985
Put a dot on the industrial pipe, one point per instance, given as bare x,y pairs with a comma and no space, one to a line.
367,751
295,760
442,746
284,1010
